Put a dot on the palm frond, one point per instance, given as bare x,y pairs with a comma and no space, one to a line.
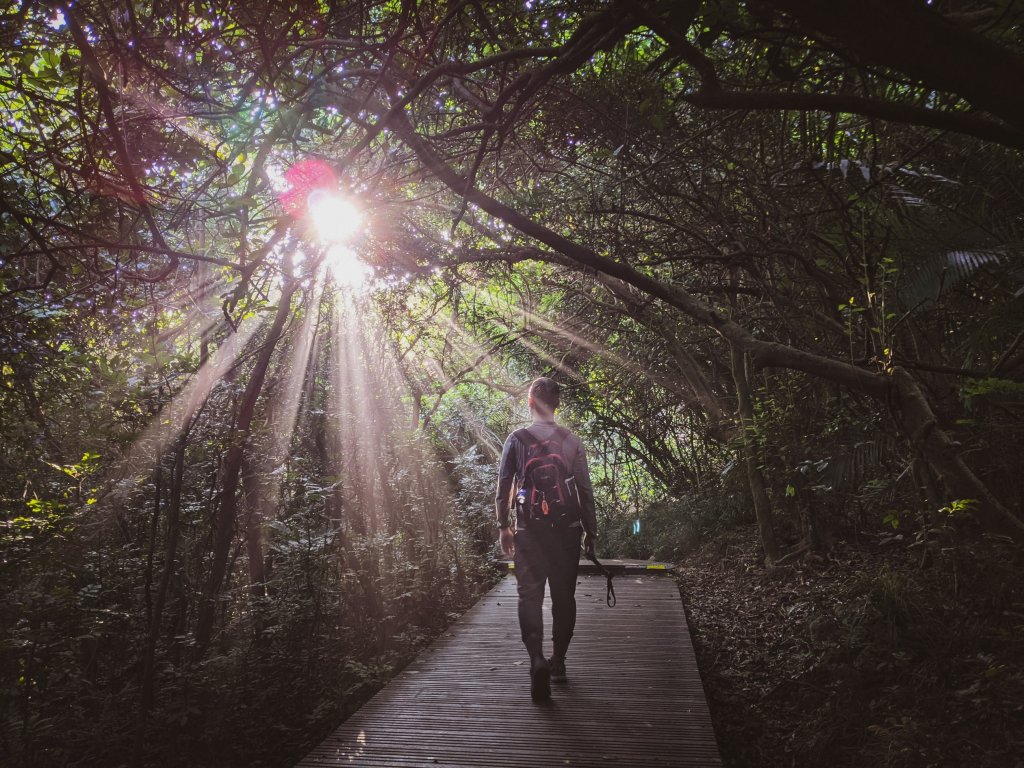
933,277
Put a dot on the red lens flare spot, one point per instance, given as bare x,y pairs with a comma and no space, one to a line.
304,178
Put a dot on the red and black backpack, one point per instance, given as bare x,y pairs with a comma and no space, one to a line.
548,487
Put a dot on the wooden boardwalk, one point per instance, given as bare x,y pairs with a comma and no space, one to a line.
634,696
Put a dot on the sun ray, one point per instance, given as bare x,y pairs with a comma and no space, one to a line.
284,405
177,414
383,462
484,437
591,346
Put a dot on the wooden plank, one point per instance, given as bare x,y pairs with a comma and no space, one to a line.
634,696
616,566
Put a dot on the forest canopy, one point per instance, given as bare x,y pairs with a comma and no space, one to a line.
275,277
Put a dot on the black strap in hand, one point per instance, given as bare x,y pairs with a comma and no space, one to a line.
610,596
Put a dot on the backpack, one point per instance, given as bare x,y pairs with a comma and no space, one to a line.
548,488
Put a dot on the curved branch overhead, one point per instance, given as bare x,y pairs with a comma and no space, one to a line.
906,38
917,40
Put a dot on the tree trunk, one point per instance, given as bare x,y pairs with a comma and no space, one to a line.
255,514
758,490
147,661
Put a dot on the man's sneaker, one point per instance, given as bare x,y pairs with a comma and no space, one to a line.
540,679
557,667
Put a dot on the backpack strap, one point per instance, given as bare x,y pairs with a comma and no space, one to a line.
523,435
526,440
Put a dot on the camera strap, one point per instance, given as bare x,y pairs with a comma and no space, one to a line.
610,595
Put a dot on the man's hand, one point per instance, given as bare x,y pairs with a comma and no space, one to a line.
590,544
507,539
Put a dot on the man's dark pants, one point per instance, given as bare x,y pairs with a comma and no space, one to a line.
552,555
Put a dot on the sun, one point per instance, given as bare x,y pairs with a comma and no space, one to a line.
335,218
337,222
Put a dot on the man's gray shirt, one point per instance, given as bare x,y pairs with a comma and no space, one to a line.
510,470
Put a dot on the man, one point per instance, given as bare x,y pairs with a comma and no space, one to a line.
544,467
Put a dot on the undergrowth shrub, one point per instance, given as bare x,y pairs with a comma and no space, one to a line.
668,529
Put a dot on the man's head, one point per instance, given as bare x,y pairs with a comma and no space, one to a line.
544,397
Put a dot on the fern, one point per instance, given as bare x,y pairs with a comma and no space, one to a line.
935,276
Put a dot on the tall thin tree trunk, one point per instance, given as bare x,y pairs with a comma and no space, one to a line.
255,513
147,662
758,490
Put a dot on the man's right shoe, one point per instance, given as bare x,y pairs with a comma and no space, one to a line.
557,667
540,679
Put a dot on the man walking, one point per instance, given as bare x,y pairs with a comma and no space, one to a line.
544,467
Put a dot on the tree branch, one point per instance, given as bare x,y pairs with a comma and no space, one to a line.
913,38
763,353
958,122
95,70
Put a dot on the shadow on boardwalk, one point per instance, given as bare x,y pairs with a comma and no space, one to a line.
634,696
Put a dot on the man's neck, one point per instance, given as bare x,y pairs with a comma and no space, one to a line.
538,419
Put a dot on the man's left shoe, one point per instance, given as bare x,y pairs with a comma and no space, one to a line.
557,667
540,679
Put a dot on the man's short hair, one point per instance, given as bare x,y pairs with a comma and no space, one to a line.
545,392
